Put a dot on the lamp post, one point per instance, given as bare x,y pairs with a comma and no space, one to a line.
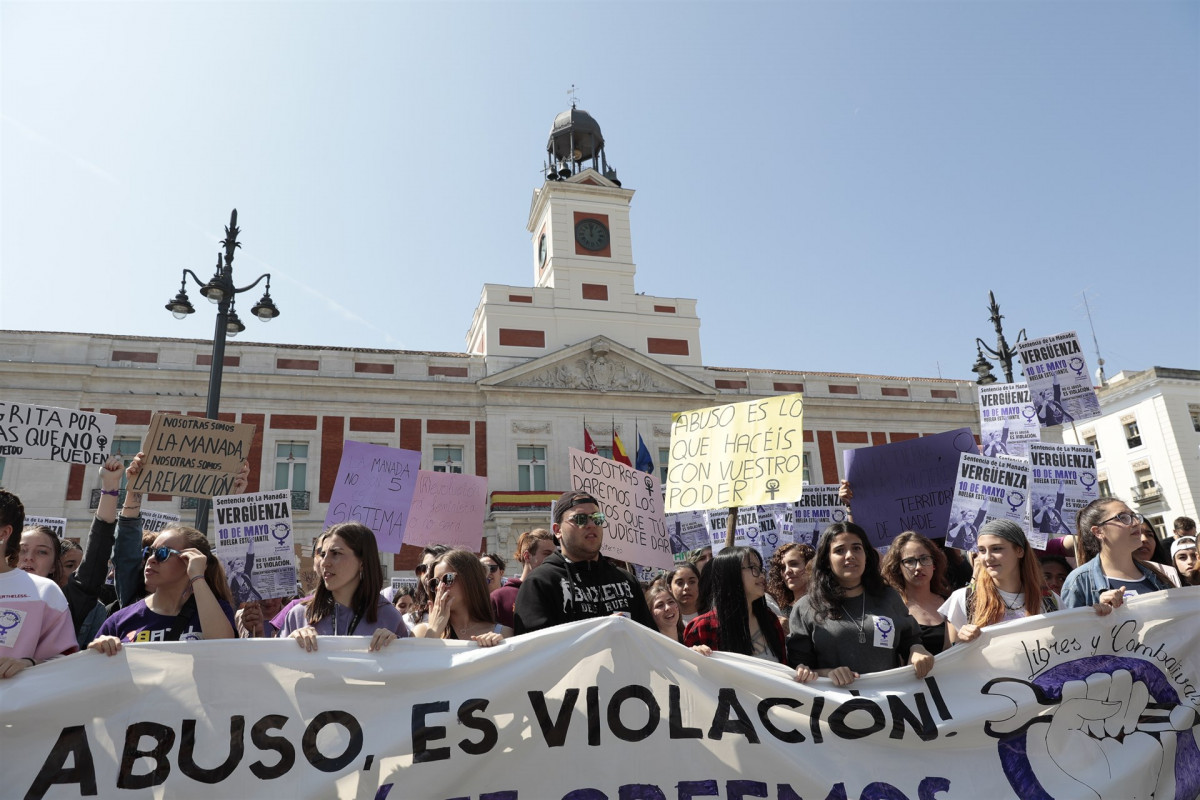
220,289
1003,353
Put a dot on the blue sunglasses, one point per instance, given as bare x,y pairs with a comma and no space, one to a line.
160,554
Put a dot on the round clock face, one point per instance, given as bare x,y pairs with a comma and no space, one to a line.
542,251
591,234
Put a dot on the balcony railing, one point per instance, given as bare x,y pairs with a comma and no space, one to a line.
1146,494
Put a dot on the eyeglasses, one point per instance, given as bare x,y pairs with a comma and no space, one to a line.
582,519
491,567
445,580
160,554
755,571
1126,518
925,561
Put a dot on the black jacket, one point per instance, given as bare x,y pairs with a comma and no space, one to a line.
560,591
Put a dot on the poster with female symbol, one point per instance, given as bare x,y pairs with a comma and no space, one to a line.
1063,481
254,542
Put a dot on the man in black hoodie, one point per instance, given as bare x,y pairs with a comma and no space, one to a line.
578,583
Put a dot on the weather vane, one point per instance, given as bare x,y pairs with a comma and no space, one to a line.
571,94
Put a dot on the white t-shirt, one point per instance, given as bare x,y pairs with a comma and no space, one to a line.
35,621
955,608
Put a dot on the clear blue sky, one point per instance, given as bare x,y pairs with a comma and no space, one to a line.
838,183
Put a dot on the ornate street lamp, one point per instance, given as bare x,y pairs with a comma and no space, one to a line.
220,290
1003,353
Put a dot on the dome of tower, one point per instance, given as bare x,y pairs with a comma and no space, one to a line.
575,136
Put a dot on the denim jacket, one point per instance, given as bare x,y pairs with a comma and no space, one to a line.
1085,583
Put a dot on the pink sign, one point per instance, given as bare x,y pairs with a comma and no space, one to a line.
448,509
375,487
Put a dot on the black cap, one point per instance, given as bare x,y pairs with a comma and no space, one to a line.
569,500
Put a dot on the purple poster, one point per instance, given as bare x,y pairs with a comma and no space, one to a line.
906,486
375,487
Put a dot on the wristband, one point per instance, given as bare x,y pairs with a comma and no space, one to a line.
197,578
110,492
32,663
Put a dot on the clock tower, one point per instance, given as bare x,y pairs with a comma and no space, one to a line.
583,270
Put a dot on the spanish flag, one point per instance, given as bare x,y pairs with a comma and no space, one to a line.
619,453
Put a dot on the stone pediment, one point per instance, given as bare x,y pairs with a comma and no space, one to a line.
599,365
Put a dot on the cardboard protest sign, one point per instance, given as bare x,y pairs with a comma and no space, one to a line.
817,509
986,489
448,509
742,454
632,500
56,524
154,521
254,542
1064,481
192,456
306,573
1059,384
687,531
906,486
54,434
375,486
623,713
1008,421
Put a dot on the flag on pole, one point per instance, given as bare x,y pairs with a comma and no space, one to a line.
644,462
588,445
619,453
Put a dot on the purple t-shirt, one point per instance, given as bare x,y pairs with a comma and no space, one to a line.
137,623
272,627
387,616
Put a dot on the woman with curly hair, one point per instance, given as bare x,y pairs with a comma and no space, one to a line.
916,568
1008,584
851,622
787,578
739,620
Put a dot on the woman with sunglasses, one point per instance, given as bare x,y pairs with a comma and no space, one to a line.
347,600
494,565
1110,534
851,622
739,620
188,596
462,605
916,568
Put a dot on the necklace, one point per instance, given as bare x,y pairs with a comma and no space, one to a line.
1016,598
860,621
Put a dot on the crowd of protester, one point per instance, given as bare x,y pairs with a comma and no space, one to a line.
835,610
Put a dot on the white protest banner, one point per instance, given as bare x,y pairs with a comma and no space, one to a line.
447,508
687,531
1064,481
192,456
375,486
254,542
56,524
154,521
1059,383
817,509
606,709
1007,420
632,500
54,434
987,488
745,527
741,454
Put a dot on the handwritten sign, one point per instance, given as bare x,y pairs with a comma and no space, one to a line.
987,489
155,521
254,543
906,486
1064,481
1008,422
448,509
748,453
375,486
192,456
1059,384
636,530
54,434
56,524
817,509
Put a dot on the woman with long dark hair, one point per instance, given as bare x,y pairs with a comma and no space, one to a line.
1110,534
665,609
462,605
1008,584
347,600
739,620
851,622
684,583
916,568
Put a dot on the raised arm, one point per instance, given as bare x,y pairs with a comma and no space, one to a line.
94,568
